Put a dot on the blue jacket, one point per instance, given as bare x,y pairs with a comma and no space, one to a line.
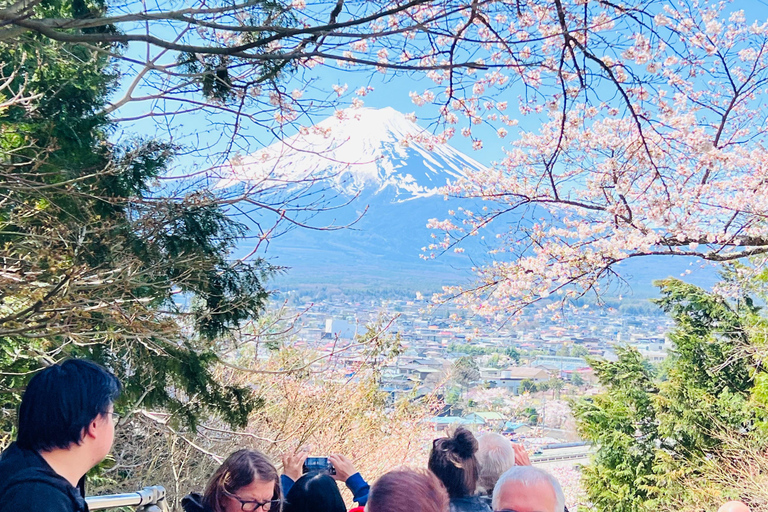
355,483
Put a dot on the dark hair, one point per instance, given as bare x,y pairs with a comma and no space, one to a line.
314,492
453,460
241,469
408,490
61,401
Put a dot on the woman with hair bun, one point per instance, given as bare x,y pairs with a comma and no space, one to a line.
453,461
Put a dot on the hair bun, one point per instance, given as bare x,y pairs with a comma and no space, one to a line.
464,443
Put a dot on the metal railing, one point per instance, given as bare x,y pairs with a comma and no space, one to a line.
556,458
149,499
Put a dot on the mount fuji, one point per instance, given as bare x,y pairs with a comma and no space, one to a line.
357,150
388,170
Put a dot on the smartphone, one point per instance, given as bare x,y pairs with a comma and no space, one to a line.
318,464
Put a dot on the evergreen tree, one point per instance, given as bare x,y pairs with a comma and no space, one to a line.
709,383
621,423
528,385
100,260
465,371
653,436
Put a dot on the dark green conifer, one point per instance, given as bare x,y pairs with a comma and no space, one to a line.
98,259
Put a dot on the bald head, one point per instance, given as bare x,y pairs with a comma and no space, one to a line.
733,506
528,489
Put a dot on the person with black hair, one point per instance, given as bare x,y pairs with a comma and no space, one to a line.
314,492
66,426
453,461
344,471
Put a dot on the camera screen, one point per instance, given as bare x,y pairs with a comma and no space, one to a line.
318,464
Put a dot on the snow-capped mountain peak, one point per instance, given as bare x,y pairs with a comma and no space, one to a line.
360,149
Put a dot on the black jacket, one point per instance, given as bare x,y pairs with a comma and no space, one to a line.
469,504
193,503
28,483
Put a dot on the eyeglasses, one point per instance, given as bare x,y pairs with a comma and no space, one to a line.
115,418
251,506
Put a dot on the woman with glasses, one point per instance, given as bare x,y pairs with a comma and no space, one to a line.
247,481
454,462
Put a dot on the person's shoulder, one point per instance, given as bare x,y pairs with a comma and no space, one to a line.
21,465
485,498
469,504
14,459
193,503
33,492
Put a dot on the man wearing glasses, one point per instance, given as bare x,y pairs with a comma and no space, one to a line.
66,427
527,489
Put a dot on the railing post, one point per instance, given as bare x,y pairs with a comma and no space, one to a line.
149,499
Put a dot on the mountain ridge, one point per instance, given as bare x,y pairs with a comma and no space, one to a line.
391,168
360,148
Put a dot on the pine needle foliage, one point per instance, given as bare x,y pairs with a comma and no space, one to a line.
655,431
98,258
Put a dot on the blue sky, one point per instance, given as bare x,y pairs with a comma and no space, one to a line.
390,89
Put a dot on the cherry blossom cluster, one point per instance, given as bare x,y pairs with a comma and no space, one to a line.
629,129
641,131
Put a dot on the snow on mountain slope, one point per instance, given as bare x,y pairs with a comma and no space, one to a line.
391,168
360,149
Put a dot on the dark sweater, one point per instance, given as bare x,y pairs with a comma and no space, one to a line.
469,504
28,483
193,503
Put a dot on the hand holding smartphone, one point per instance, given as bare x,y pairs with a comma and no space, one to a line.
318,464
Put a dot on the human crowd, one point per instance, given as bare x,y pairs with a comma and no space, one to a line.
66,426
463,474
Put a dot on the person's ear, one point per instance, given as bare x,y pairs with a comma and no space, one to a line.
92,429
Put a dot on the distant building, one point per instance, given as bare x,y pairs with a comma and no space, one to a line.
516,429
445,422
651,345
560,363
341,329
525,372
487,373
587,375
494,420
654,357
512,377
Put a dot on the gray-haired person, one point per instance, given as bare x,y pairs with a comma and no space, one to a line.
495,455
528,489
